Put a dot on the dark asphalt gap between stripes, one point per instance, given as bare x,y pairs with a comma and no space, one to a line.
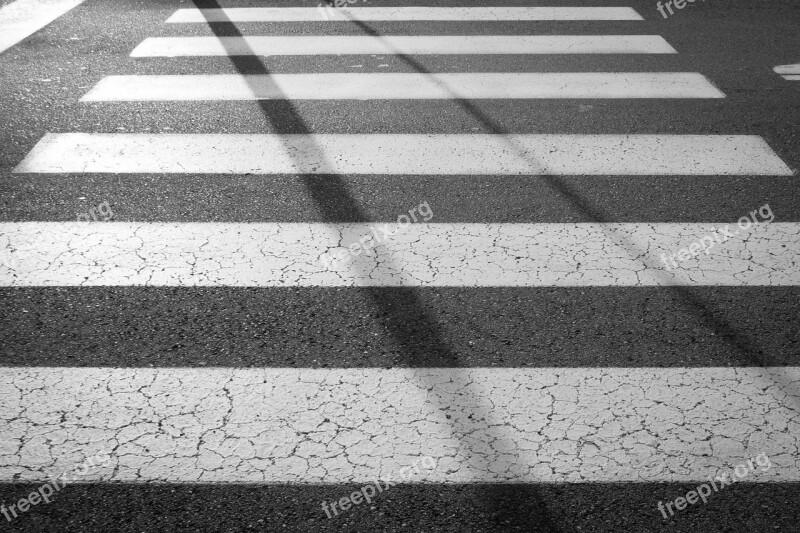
338,327
568,116
716,200
592,507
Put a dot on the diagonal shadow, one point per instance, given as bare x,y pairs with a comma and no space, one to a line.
701,309
334,200
405,317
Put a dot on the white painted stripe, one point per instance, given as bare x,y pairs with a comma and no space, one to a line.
23,18
469,154
403,86
421,254
301,14
792,78
788,69
410,45
505,425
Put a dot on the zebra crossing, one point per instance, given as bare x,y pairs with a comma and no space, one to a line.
789,72
262,45
22,18
240,413
424,254
402,86
405,13
387,154
349,423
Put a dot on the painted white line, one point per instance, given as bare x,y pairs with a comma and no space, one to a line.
792,78
410,45
467,154
418,255
350,425
403,86
305,14
788,69
23,18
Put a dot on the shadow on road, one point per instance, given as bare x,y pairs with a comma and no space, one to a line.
422,345
702,311
406,318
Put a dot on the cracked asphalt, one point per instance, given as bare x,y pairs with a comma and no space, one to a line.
528,338
337,426
415,255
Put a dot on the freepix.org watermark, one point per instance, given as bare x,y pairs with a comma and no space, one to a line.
679,4
8,258
368,242
719,236
103,209
704,491
49,489
369,491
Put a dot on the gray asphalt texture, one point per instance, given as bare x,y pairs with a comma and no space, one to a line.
734,43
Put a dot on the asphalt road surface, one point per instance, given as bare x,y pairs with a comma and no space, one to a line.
399,265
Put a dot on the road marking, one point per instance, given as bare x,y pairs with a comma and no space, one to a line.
417,255
508,425
464,154
790,72
788,69
306,14
23,18
410,45
402,86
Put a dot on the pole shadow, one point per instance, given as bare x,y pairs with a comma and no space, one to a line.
404,316
701,310
402,313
